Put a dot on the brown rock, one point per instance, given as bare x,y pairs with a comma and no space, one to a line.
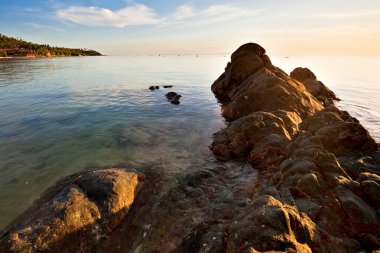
268,225
78,217
346,138
304,199
265,91
315,87
372,191
173,97
238,139
340,133
245,61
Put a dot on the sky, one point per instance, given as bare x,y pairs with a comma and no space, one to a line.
121,27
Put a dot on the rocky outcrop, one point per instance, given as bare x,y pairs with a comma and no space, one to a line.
310,195
251,83
315,87
84,209
307,180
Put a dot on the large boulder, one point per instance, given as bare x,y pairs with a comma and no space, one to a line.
340,133
245,61
315,87
78,216
265,91
269,225
237,140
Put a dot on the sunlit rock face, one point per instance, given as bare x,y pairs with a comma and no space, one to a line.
86,209
318,186
315,87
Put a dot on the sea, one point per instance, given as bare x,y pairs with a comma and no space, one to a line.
59,116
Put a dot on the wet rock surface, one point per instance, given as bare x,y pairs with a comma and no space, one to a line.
191,216
154,87
173,97
77,213
295,174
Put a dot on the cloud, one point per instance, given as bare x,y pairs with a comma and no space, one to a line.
188,14
363,13
43,27
138,14
185,15
184,11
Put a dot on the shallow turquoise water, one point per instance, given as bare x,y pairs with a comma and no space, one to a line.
59,116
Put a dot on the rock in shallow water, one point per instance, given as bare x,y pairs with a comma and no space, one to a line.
173,97
154,87
88,207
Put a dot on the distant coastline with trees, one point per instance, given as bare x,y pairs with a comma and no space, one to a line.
16,47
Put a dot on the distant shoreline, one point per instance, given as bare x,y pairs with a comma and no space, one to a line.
39,57
16,47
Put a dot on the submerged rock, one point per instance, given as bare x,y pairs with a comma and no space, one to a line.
78,216
175,101
154,87
173,97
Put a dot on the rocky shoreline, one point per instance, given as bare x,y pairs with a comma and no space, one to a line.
308,181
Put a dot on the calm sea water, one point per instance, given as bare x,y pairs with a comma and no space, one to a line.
59,116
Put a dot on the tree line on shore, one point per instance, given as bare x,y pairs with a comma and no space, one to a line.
16,47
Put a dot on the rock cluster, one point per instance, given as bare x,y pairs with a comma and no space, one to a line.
158,87
173,97
154,87
77,214
308,181
314,193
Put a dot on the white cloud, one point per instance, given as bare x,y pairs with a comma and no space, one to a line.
187,14
138,14
184,11
363,13
43,27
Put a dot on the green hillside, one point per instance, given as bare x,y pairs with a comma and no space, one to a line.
15,47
